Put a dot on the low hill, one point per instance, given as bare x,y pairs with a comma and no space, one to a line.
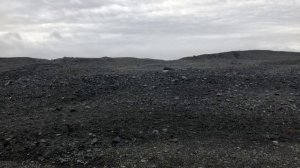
235,109
109,65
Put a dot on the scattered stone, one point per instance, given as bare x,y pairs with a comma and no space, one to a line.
62,160
219,94
8,83
144,160
174,140
43,140
275,142
58,109
122,104
8,139
94,141
80,161
73,110
155,132
168,69
184,77
41,158
174,80
116,140
153,166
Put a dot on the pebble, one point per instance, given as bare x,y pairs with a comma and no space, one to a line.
94,141
143,160
155,132
275,142
219,94
8,139
80,161
175,140
167,69
184,78
8,83
58,109
116,140
43,140
73,110
62,160
41,158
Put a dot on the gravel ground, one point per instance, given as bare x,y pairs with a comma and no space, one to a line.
230,110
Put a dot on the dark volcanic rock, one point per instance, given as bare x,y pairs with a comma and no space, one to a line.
233,109
116,140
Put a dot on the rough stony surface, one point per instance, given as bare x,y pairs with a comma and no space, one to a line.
236,109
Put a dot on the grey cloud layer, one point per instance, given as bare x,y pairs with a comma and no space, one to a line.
157,28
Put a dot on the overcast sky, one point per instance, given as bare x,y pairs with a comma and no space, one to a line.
165,29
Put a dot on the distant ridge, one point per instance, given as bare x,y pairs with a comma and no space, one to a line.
247,54
16,62
242,54
124,64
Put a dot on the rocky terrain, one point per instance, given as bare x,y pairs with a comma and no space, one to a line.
235,109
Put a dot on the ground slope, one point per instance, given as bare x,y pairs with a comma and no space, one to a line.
234,109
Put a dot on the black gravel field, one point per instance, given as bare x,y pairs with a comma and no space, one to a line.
235,109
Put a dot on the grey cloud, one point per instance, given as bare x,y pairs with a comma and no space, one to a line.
12,36
56,35
156,28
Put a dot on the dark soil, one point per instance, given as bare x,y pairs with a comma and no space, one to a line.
236,109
